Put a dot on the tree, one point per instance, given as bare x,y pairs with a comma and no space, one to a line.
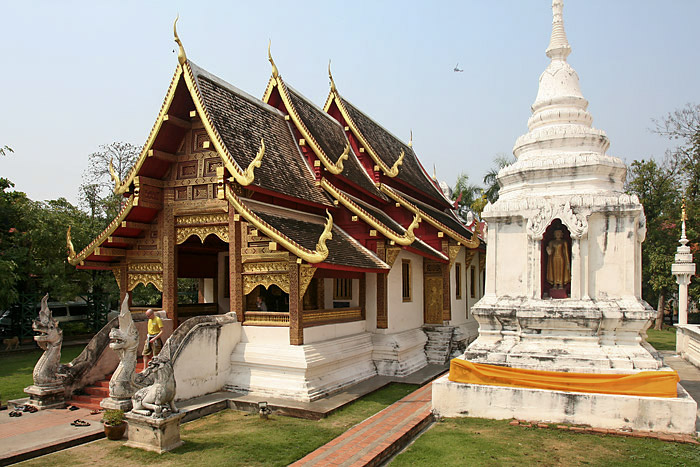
491,177
96,192
683,126
655,186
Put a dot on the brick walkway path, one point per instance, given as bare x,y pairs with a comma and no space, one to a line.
374,440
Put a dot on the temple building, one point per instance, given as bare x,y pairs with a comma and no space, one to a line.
323,232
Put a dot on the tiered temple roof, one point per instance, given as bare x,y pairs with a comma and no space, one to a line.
288,162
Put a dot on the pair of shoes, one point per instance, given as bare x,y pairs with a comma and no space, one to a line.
29,409
95,412
72,407
79,422
15,413
3,407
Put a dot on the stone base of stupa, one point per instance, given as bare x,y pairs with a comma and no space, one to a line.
658,414
586,336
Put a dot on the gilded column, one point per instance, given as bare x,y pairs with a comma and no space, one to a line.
235,265
446,284
296,328
169,257
382,292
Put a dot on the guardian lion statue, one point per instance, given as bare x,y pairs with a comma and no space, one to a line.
157,399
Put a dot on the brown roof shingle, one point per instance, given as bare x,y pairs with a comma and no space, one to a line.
242,121
388,149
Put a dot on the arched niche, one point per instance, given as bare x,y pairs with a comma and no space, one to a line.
548,289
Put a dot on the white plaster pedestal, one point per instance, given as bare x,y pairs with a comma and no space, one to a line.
658,414
46,397
154,434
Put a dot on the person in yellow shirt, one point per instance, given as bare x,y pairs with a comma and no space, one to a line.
153,342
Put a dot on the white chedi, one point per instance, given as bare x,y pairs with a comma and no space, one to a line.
563,178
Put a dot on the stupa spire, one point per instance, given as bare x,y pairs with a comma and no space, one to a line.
559,47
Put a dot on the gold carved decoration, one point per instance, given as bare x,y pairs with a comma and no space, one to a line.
183,233
75,259
251,281
114,175
118,276
265,267
202,219
275,71
69,245
202,226
410,140
249,174
403,240
321,252
145,278
453,251
468,256
146,267
469,243
391,254
334,96
306,273
181,57
265,318
144,273
276,80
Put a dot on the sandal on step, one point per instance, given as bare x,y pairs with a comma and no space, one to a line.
79,422
29,409
72,407
15,413
95,412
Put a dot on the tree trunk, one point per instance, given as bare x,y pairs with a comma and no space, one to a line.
660,312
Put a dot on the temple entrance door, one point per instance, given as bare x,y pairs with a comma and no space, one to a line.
432,291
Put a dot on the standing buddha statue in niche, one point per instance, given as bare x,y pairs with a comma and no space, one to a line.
558,264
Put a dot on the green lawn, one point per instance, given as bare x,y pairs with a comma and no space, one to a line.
16,369
662,340
236,438
476,441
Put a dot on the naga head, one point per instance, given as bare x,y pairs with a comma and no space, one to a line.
126,336
46,327
159,366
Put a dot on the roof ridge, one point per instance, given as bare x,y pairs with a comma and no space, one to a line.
197,70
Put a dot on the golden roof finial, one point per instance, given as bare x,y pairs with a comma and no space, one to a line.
181,57
410,140
684,216
330,75
69,245
275,71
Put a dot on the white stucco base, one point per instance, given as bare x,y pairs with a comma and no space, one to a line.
301,372
688,342
399,354
659,414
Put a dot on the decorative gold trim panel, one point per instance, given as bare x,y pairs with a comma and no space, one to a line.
145,278
306,273
251,281
183,233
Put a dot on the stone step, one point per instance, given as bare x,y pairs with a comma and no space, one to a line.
97,391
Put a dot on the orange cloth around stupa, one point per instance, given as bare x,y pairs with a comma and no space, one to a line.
645,383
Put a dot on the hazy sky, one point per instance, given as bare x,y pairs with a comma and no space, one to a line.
77,74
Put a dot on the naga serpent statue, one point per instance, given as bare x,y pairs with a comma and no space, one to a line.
157,399
124,340
50,339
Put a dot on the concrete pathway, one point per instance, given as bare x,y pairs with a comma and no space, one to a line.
35,434
379,437
690,378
